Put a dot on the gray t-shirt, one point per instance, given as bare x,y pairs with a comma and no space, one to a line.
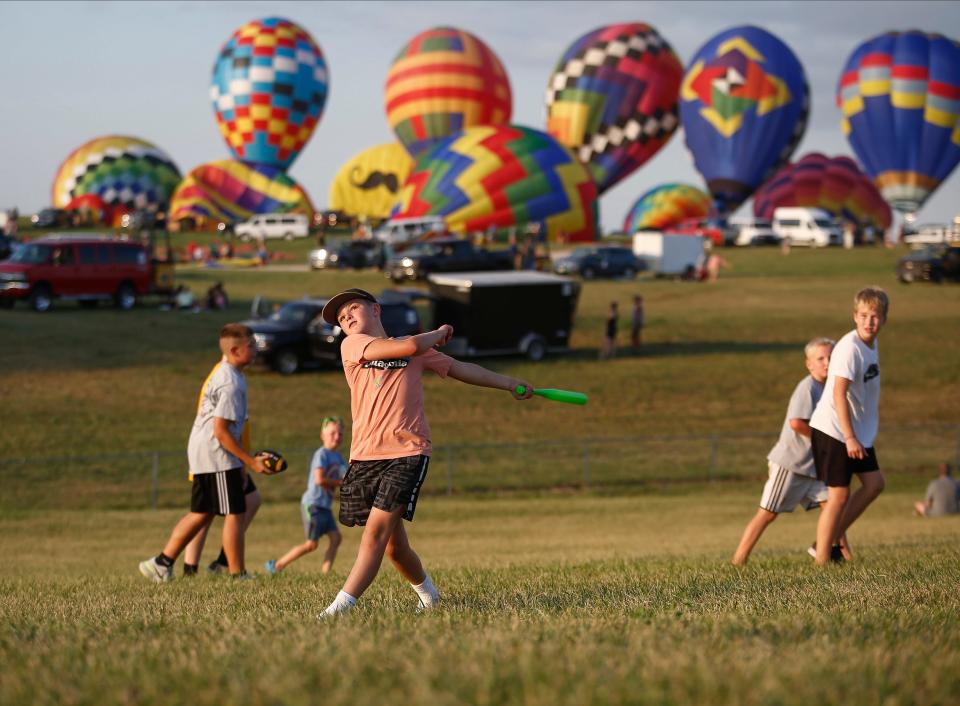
224,395
860,364
943,493
793,451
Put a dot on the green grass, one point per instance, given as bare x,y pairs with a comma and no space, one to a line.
566,599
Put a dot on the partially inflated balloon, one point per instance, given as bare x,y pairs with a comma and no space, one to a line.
368,184
269,86
232,191
744,104
900,97
443,81
834,184
612,98
502,176
121,171
665,206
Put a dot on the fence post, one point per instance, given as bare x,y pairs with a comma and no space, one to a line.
586,465
155,481
714,451
449,470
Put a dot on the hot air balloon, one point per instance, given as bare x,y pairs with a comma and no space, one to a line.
123,172
612,99
231,191
666,205
900,97
269,86
743,104
443,81
502,176
368,184
834,184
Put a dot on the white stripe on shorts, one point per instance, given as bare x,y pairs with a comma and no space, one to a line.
222,493
416,488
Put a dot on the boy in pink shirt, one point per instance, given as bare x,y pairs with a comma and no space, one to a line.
390,449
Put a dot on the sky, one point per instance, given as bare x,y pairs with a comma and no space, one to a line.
73,71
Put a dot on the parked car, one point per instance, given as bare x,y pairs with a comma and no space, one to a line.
806,226
274,225
753,231
932,234
713,230
296,336
404,230
600,261
85,268
49,218
932,263
357,254
504,313
444,255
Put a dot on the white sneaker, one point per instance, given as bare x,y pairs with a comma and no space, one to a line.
431,603
155,572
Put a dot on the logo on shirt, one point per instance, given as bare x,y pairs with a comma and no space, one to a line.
386,366
872,371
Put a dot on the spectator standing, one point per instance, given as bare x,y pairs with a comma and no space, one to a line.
943,496
638,320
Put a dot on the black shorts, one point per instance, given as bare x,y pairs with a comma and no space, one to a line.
386,485
249,486
834,467
219,493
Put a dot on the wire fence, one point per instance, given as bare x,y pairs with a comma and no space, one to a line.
156,479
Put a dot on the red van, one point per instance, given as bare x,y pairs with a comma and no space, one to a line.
85,268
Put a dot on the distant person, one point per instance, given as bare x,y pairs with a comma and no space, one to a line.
327,468
943,496
183,298
846,419
638,320
216,458
263,255
609,348
849,235
792,477
714,263
217,299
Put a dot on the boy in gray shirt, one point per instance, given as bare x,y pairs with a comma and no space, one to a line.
217,457
793,476
943,496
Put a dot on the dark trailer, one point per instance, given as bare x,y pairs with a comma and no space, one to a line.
502,313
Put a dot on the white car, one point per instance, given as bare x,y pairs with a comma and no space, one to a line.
274,225
933,234
754,231
806,226
404,230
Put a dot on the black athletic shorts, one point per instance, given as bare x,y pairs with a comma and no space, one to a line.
387,485
249,486
834,467
219,493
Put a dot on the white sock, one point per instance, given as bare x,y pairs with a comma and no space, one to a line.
429,595
341,604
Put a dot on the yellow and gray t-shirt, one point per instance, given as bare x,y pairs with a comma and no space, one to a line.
224,395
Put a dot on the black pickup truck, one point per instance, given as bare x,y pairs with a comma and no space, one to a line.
444,255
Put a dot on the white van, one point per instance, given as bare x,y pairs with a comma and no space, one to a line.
806,226
274,225
403,230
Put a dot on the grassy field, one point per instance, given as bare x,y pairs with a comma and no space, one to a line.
568,599
619,594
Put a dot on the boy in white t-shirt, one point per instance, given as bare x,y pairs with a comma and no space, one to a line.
792,479
846,419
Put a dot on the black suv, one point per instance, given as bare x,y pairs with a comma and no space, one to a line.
296,336
599,261
932,263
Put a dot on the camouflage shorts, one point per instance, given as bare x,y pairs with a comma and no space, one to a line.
387,485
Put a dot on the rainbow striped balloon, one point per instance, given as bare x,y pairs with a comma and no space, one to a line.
666,205
443,81
502,176
834,184
121,171
233,191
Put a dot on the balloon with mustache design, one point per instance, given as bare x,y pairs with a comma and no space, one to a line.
368,184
